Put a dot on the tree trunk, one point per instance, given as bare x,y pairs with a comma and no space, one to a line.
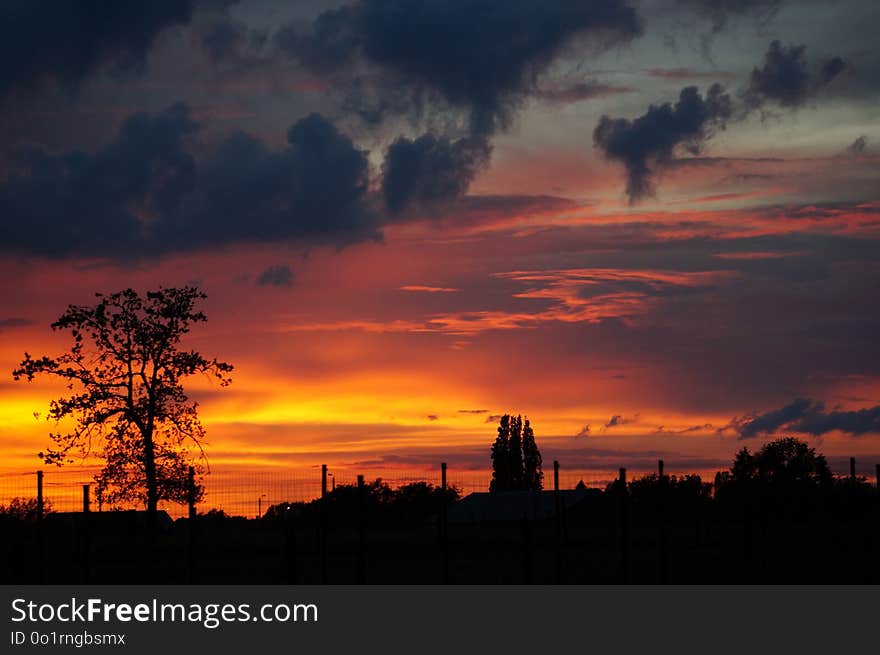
152,483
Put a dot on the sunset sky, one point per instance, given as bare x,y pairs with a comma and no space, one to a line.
652,227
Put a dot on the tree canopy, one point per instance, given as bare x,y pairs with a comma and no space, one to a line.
516,460
125,370
785,460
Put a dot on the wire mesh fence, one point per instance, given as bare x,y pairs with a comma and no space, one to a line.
618,535
251,493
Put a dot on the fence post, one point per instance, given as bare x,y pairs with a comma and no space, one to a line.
444,526
877,476
747,542
624,528
526,551
852,469
362,532
557,499
661,517
39,495
322,529
40,553
85,534
191,492
290,543
191,525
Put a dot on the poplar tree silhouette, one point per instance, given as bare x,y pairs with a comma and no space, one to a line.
516,460
533,475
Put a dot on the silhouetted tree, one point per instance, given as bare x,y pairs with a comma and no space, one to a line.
126,371
786,460
500,459
533,475
25,509
682,491
515,465
410,502
516,460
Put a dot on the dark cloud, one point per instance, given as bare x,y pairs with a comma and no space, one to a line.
430,171
479,55
857,422
786,79
374,99
314,189
276,275
682,74
66,41
650,142
432,417
859,146
144,193
565,94
719,12
329,43
617,420
493,418
807,416
476,208
473,411
91,203
583,432
229,42
224,38
14,322
689,430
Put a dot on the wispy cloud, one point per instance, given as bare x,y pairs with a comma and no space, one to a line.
588,295
427,289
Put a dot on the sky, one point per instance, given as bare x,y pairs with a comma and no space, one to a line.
651,227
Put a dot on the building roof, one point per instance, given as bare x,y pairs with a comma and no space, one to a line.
512,505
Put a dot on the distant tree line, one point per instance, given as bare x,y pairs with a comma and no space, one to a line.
412,502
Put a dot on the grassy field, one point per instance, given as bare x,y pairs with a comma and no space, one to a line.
709,546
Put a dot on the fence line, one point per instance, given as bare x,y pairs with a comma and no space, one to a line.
251,493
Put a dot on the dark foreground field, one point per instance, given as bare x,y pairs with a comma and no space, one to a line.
605,539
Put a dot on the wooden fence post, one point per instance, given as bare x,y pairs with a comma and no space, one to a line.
191,492
852,469
747,542
290,544
624,528
557,500
39,495
443,527
86,546
191,525
322,530
877,476
661,518
41,562
362,532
